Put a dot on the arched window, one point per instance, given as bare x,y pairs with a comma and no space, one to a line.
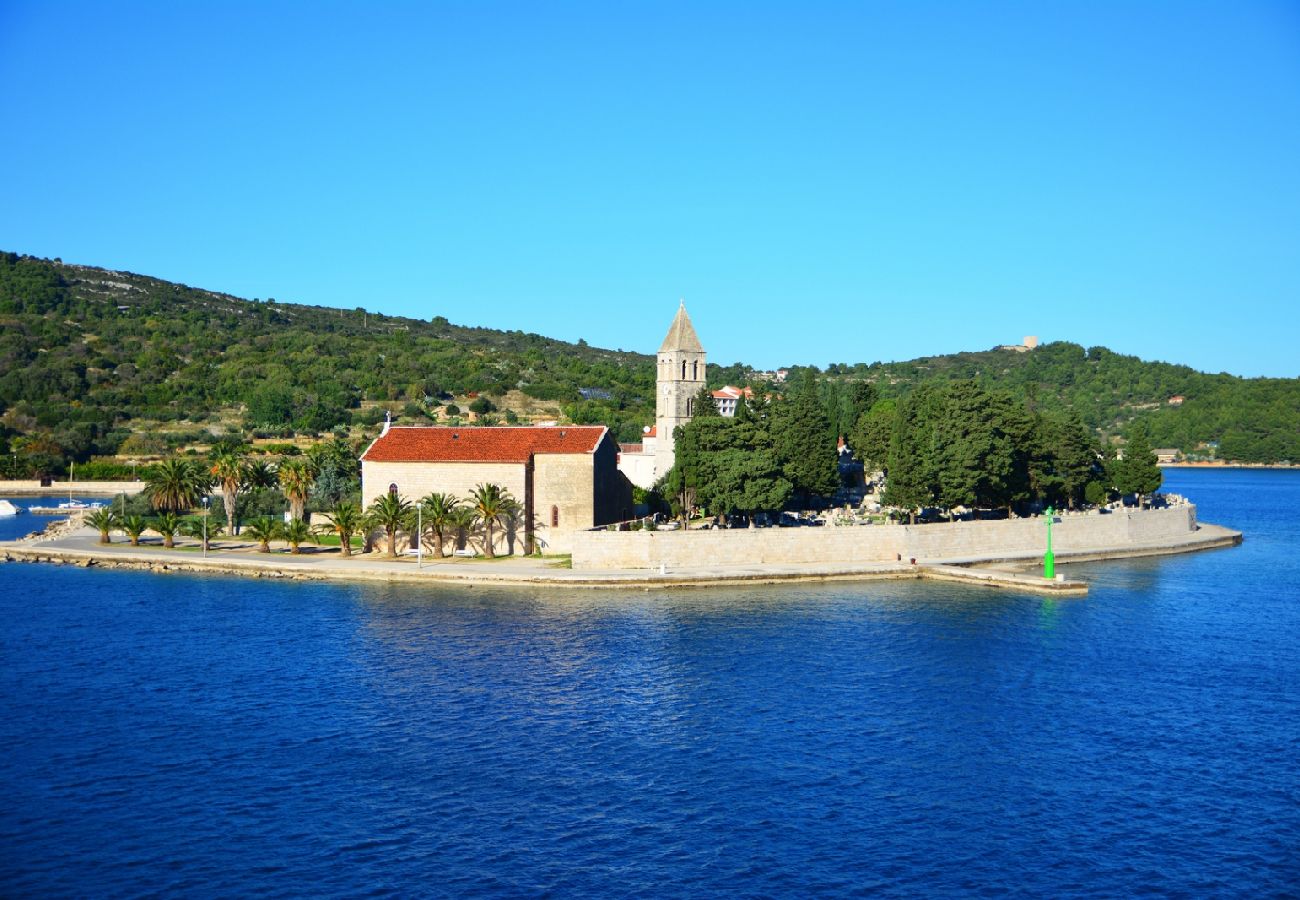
695,370
690,406
392,489
555,517
683,370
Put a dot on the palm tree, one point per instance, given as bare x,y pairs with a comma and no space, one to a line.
493,505
295,531
134,526
439,515
257,474
230,470
175,484
391,513
296,477
345,521
263,529
196,527
167,524
104,520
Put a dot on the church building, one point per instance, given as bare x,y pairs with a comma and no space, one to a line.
679,377
565,478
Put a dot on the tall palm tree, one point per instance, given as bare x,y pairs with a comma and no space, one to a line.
134,526
391,513
175,484
345,521
493,505
230,469
439,516
104,520
296,477
263,529
295,531
167,524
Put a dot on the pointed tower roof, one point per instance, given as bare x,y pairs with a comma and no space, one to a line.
681,334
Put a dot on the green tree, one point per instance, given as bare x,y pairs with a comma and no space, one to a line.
493,506
703,405
201,529
229,468
391,513
296,477
175,485
804,442
134,526
263,529
872,435
104,520
295,531
438,517
913,452
345,521
1138,472
167,524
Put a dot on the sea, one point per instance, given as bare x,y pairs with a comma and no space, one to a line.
204,736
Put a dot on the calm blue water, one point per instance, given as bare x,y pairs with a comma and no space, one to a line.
218,737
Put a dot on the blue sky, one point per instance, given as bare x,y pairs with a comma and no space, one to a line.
821,182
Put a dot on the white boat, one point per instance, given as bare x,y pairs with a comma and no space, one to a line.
8,509
79,504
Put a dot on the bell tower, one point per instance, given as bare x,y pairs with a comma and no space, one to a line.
679,379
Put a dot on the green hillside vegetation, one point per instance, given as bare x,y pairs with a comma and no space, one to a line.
1255,420
96,363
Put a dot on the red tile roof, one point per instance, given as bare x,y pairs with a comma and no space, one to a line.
506,444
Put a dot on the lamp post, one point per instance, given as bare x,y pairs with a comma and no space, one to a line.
419,534
207,506
1049,560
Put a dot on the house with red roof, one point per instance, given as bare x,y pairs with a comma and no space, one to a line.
564,478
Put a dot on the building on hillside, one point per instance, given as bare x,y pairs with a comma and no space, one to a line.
565,479
1177,400
678,380
1166,456
727,398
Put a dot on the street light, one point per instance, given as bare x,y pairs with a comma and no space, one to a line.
207,505
419,534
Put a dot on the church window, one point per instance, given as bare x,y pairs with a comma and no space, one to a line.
690,406
555,517
683,370
695,370
392,489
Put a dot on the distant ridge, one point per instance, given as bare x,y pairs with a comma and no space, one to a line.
89,356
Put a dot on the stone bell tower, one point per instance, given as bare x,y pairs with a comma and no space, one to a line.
680,377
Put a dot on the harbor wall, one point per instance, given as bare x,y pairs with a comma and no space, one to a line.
76,488
1072,534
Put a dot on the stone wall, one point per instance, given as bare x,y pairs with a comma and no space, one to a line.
82,488
1085,532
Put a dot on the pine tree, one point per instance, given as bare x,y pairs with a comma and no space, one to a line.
804,442
1138,472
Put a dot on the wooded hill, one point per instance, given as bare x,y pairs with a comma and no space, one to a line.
94,362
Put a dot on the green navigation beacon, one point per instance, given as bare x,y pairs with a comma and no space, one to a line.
1049,561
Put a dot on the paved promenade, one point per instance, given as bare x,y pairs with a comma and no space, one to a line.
82,547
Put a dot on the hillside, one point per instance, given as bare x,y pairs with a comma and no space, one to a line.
1221,416
97,362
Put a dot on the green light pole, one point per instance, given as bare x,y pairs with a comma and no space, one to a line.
1049,560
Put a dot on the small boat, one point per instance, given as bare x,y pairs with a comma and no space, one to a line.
74,505
8,509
